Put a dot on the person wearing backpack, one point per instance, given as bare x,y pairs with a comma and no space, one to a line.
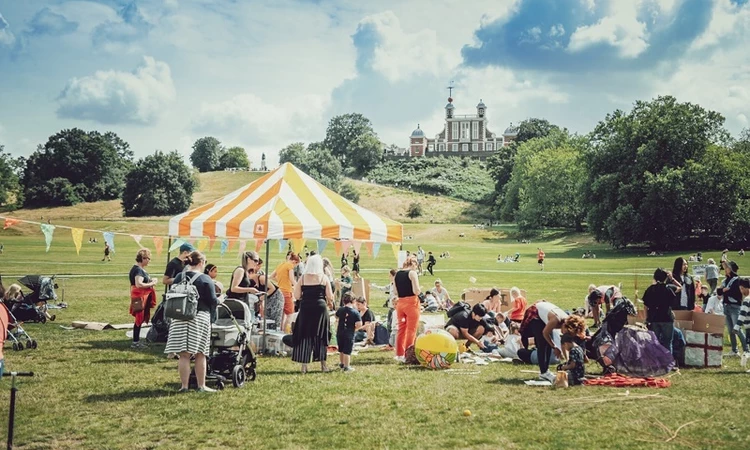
193,336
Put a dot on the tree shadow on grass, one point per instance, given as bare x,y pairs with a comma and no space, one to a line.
510,381
167,390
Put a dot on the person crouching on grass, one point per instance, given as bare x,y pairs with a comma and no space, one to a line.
348,319
575,365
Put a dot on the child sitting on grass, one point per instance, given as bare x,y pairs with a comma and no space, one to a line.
348,320
575,365
430,303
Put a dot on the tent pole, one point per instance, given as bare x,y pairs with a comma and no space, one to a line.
169,254
268,252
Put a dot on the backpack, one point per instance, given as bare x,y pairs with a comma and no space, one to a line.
182,299
381,336
458,307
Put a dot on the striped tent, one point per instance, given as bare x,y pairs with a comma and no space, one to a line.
285,204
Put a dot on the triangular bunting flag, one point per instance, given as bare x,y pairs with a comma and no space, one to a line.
345,246
298,245
230,245
282,245
368,246
202,244
224,246
10,222
338,246
241,250
357,246
375,249
211,242
109,238
396,248
48,230
158,244
175,245
77,234
137,238
322,246
258,245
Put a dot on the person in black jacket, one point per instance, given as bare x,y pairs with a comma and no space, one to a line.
730,289
659,299
193,337
687,293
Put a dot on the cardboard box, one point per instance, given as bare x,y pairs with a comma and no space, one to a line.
361,288
473,296
704,337
640,317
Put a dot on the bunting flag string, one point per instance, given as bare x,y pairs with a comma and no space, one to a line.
345,246
258,245
10,222
375,249
109,238
224,246
211,242
202,244
322,246
396,248
357,246
48,230
298,245
282,244
368,247
77,234
176,244
338,245
230,245
158,244
241,249
137,238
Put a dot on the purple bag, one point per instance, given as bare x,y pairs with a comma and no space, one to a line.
637,352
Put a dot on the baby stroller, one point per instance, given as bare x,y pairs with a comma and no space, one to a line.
230,354
14,330
33,307
604,337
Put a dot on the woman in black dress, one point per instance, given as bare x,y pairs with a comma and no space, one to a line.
312,329
355,262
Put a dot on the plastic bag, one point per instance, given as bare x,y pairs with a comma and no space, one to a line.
561,379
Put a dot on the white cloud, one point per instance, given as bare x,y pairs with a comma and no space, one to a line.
6,36
727,20
248,118
531,36
110,96
620,29
400,54
557,30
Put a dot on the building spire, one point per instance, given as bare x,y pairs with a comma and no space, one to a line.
450,92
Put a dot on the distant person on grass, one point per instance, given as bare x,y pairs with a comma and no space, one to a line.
712,275
517,305
348,320
431,261
192,337
540,258
106,252
142,294
176,265
658,300
406,282
730,291
442,295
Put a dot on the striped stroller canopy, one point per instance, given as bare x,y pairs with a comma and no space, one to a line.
285,204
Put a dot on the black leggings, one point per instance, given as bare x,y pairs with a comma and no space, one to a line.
544,351
136,333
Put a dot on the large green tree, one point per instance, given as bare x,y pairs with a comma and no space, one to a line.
316,160
637,182
93,164
534,128
11,194
159,184
207,153
234,157
341,133
366,153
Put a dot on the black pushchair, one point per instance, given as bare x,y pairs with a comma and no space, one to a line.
231,355
33,307
612,324
159,330
15,330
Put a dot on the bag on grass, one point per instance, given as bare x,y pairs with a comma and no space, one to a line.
381,336
561,379
182,299
458,307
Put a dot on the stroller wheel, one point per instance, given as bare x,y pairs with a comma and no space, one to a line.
238,376
33,344
28,344
251,374
43,319
220,385
17,346
52,318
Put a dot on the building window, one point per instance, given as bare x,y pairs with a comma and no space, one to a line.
441,147
475,130
489,146
430,148
474,147
465,130
465,147
455,147
454,133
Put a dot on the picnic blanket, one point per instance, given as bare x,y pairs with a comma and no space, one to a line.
617,380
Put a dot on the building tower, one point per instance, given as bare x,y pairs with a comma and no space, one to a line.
417,142
263,167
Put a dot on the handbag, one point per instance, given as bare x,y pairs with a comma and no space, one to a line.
137,304
182,299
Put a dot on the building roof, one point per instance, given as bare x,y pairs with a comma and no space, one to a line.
481,104
449,106
417,133
511,131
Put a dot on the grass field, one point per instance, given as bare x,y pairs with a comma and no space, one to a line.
92,391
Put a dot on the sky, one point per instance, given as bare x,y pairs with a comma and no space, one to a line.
264,74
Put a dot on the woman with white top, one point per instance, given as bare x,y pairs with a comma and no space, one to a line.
538,322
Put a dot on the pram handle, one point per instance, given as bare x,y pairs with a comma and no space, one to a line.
22,374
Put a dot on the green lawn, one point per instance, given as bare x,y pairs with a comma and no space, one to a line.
92,391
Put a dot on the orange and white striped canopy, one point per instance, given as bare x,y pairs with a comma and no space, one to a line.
285,204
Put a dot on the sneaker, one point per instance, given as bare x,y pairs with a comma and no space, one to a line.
731,354
348,369
206,389
173,356
743,360
547,376
400,359
137,345
341,366
182,390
